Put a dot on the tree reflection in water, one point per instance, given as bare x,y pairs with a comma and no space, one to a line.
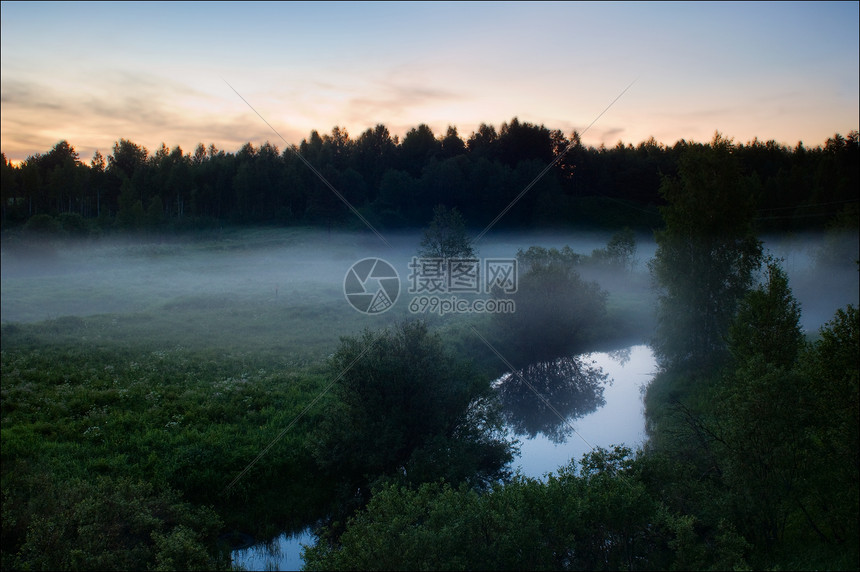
569,386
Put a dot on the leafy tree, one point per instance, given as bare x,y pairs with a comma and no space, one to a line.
97,179
155,212
131,215
177,188
443,182
43,225
58,156
404,408
446,236
393,203
323,205
557,311
128,162
786,424
337,148
9,191
620,250
767,323
60,167
127,158
113,524
829,407
768,443
482,143
612,187
373,155
523,142
761,449
452,145
705,256
418,147
73,224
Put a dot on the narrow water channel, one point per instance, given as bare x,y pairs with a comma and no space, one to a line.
621,420
283,553
545,445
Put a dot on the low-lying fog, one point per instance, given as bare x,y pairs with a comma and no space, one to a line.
297,266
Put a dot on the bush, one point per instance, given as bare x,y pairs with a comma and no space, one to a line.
557,311
43,225
407,410
73,224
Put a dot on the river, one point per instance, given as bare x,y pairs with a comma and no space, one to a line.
620,420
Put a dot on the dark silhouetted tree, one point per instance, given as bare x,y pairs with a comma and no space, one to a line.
705,256
452,145
446,236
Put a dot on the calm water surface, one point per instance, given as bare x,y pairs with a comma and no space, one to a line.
619,421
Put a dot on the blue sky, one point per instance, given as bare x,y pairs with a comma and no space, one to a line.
153,73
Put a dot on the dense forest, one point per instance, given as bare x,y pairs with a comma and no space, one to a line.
395,183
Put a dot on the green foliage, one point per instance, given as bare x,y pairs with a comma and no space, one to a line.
155,212
43,225
131,215
620,251
767,323
446,236
783,419
764,452
705,256
725,550
760,447
114,438
603,519
538,257
73,224
788,431
181,549
105,523
830,411
405,408
401,529
557,311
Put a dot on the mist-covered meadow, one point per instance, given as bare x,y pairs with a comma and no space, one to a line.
289,274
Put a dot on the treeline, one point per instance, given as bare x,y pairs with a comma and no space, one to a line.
396,183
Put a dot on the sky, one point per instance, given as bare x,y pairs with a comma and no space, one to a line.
153,73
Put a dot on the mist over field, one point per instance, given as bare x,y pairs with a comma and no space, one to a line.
279,269
115,275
